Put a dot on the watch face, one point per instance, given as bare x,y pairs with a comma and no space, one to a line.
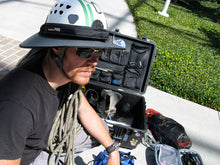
116,146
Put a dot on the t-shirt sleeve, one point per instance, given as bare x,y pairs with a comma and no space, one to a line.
16,124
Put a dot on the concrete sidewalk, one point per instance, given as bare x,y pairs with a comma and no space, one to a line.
22,18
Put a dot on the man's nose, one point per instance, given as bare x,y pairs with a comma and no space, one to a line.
93,60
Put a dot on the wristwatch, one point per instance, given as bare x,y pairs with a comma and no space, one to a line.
112,148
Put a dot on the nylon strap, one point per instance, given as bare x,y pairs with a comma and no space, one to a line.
70,31
59,60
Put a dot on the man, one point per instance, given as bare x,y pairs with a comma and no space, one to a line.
65,50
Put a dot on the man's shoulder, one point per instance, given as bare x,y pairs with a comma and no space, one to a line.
19,86
17,79
26,88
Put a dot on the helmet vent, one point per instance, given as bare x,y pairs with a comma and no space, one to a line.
73,18
61,12
68,6
97,24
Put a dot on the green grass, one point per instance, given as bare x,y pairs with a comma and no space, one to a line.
188,42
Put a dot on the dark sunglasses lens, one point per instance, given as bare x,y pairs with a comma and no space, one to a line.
84,52
88,52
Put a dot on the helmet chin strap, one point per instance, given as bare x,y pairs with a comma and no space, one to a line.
59,60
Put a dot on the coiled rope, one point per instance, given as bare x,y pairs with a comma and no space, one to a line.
65,129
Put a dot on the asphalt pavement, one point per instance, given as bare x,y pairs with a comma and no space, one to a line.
22,18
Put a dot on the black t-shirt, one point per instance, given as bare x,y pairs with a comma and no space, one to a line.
28,106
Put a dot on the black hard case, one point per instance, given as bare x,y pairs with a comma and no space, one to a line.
125,71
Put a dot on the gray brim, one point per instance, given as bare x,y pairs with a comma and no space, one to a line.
40,41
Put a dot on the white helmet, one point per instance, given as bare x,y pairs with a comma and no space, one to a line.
72,23
76,12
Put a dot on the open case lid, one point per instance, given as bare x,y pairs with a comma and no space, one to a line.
127,69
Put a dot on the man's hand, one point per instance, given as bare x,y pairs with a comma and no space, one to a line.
10,162
114,158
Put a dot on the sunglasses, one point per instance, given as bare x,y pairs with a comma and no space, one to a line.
88,52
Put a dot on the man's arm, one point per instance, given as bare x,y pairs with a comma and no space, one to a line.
10,162
93,124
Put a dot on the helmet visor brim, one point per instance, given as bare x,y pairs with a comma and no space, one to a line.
41,41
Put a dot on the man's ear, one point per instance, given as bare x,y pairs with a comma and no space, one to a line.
56,50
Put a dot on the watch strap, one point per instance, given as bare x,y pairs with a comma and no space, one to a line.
112,148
